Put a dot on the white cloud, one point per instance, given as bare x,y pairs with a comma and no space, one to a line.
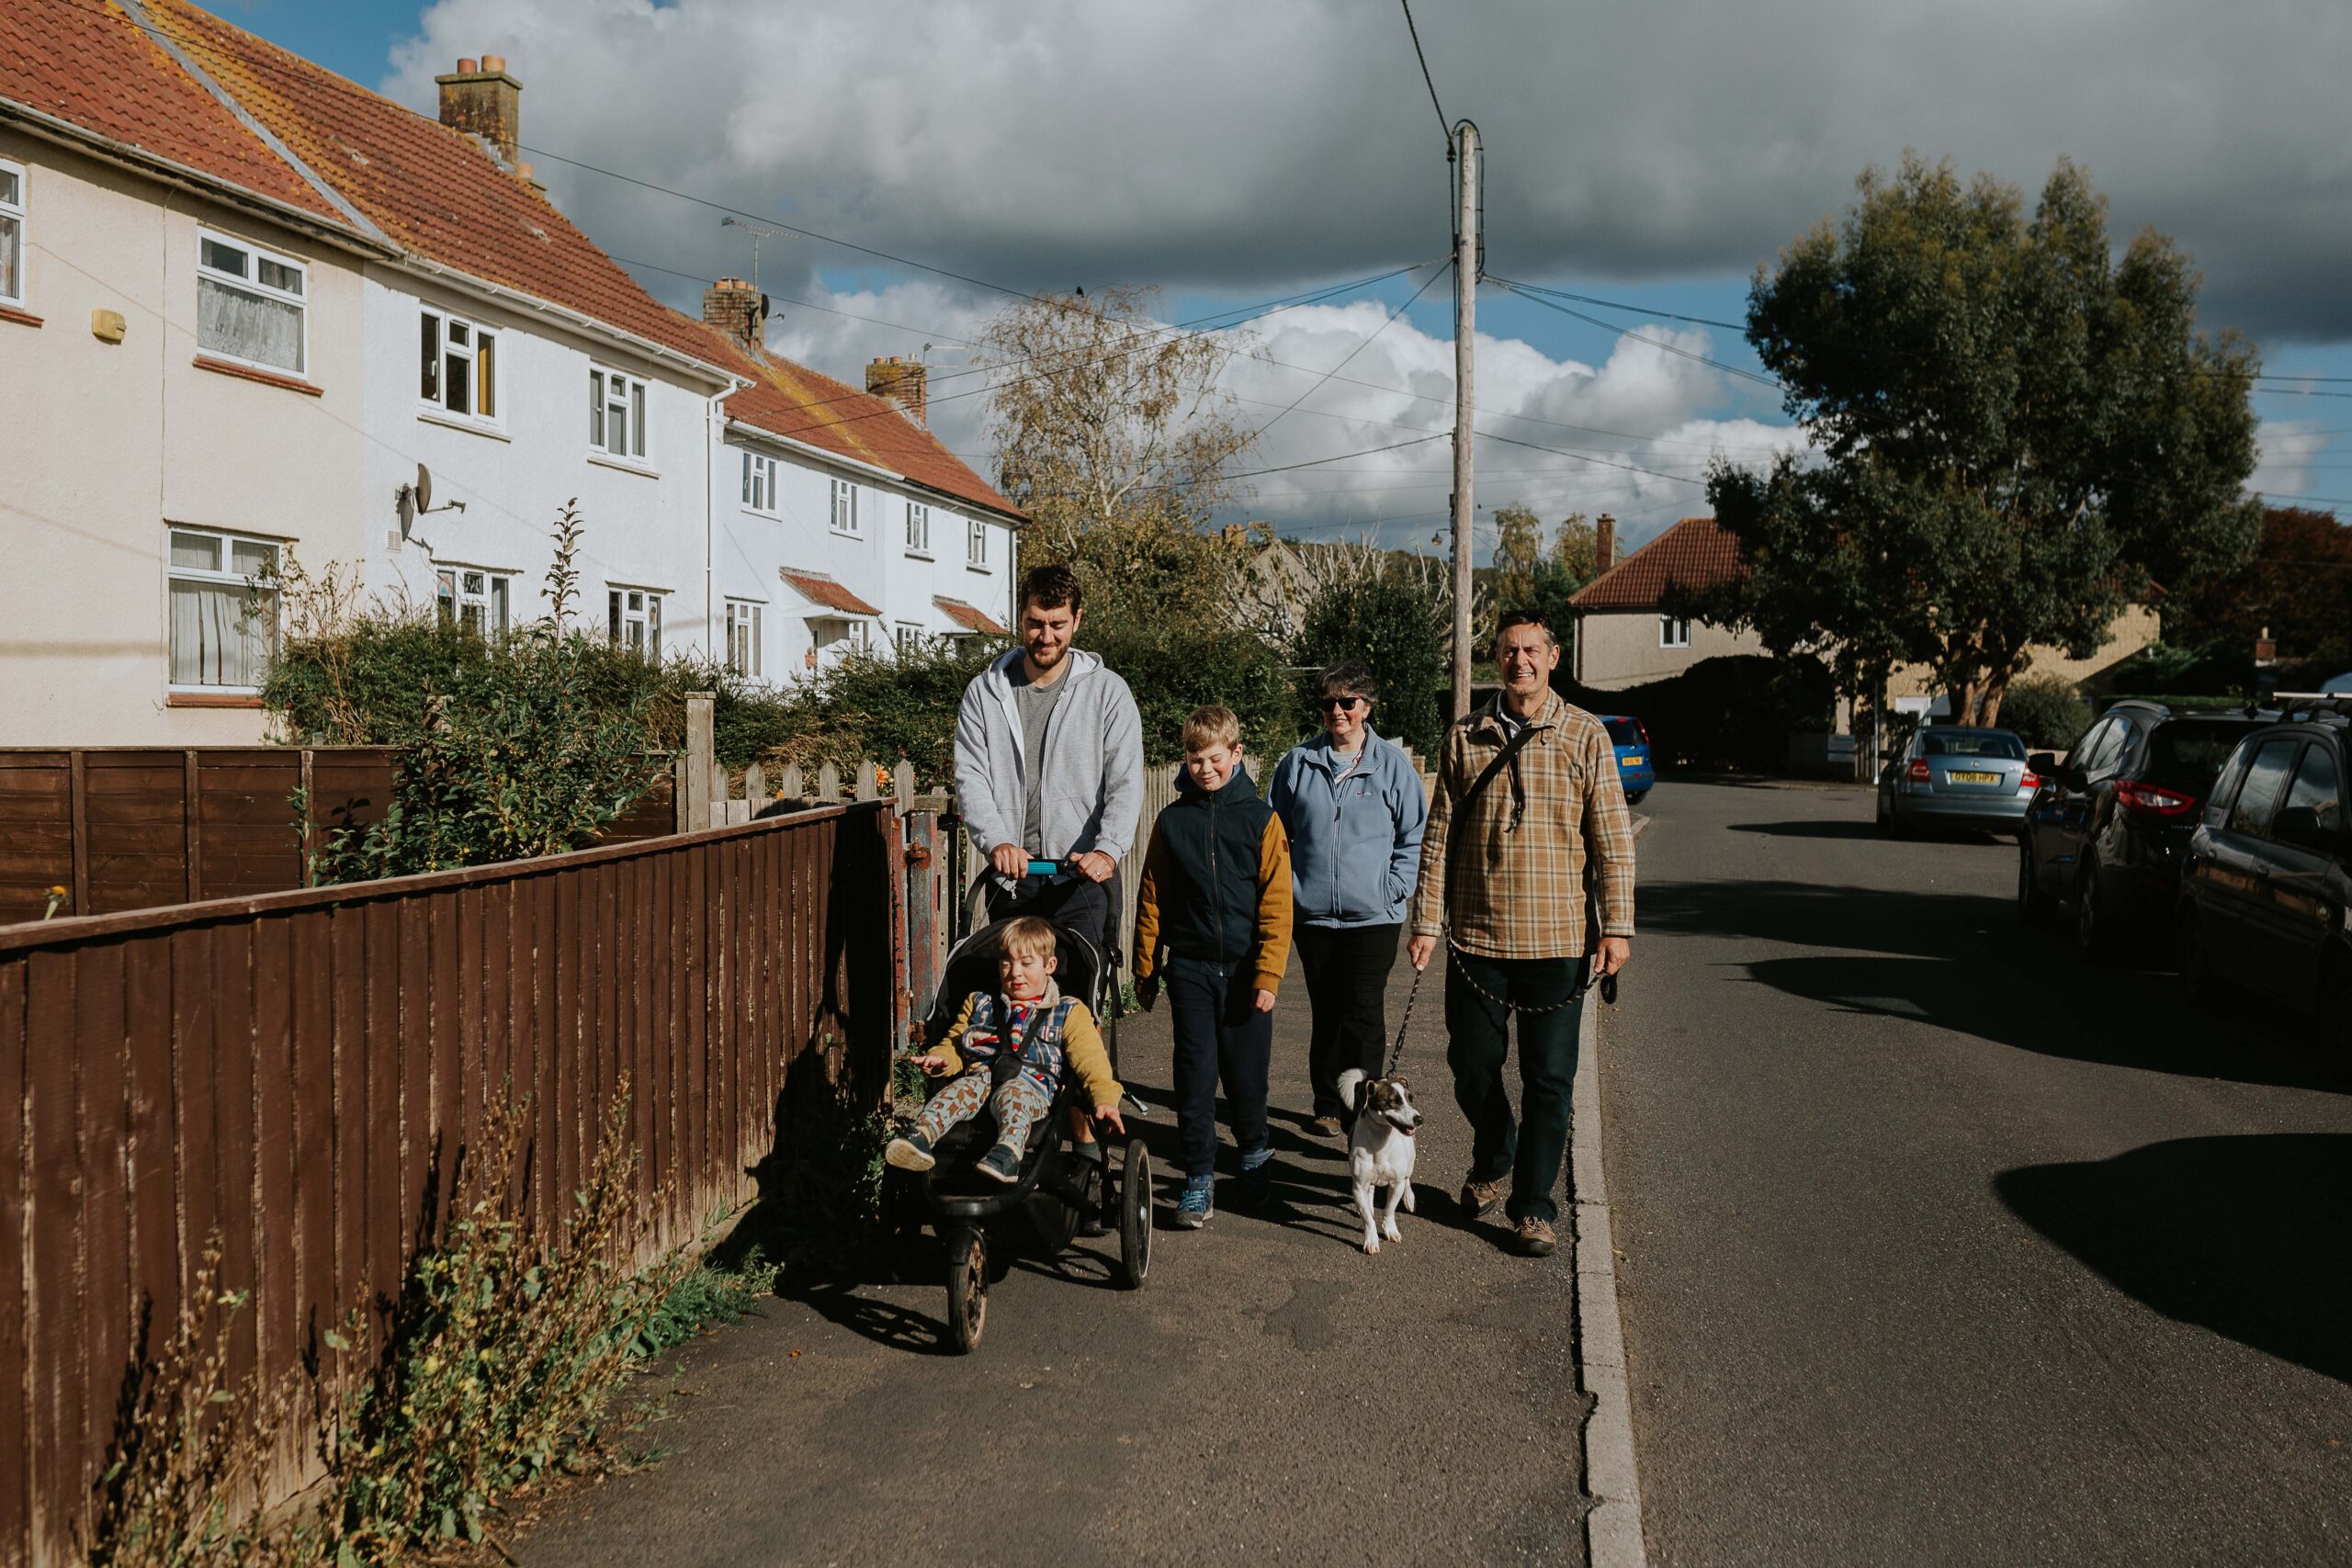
2287,448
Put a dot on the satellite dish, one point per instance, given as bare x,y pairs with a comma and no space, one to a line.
423,488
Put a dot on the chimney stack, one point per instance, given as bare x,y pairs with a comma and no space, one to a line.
1605,544
904,384
738,313
481,99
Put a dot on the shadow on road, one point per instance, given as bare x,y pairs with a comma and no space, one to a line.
2248,1236
1866,831
1813,914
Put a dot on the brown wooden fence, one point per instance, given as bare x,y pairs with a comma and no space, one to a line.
131,828
303,1071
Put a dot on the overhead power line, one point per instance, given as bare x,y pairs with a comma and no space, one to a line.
1338,456
1365,344
1444,126
1658,344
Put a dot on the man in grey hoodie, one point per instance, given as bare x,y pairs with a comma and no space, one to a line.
1049,763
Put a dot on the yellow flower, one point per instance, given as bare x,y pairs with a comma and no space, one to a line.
58,891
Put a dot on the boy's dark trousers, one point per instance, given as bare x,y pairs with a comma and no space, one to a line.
1347,987
1531,1149
1219,1033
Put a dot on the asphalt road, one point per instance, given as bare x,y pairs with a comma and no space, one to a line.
1937,1248
1272,1394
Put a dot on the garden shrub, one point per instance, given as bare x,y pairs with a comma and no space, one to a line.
1397,625
1174,669
2046,711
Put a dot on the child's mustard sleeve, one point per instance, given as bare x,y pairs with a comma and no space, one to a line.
947,1046
1082,1043
1154,867
1273,947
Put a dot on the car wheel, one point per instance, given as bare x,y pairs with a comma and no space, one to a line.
2092,935
2033,903
2197,977
1638,797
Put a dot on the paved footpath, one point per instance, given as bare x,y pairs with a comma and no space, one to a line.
1272,1394
1937,1247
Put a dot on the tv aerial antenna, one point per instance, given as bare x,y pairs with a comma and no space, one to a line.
759,231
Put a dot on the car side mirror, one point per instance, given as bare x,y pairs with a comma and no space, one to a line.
2299,824
2044,762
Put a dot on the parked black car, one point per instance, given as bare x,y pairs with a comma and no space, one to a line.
2106,833
2269,872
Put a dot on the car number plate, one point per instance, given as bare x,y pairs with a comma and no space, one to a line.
1957,777
1633,762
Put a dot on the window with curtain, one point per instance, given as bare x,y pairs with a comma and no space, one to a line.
976,544
249,304
223,611
12,233
845,507
457,368
917,528
617,414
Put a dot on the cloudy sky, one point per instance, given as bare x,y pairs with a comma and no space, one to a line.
1233,153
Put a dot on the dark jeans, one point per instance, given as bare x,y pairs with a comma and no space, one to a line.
1219,1033
1531,1148
1081,905
1347,985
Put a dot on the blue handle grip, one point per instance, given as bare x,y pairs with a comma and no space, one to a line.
1045,868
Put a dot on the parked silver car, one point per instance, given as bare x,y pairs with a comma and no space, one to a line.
1952,777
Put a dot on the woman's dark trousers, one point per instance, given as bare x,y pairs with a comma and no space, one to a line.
1219,1033
1347,987
1531,1148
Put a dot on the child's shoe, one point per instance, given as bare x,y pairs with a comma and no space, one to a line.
1001,1163
1194,1204
909,1151
1250,1188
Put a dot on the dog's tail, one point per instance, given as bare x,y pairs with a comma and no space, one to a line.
1350,1081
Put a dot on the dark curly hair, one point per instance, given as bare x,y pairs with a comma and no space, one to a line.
1050,588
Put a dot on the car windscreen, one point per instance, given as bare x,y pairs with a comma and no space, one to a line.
1621,732
2187,754
1998,743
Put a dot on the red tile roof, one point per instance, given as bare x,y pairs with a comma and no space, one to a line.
85,61
971,617
794,401
1694,554
829,591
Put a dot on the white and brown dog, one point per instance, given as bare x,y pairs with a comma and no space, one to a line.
1380,1148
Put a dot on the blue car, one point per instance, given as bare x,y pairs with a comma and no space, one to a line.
1632,744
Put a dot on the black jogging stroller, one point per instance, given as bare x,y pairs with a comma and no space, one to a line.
1058,1189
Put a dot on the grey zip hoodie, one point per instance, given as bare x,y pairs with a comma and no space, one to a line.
1094,761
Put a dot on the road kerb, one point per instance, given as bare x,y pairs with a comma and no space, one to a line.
1613,1527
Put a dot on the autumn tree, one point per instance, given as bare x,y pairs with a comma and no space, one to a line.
1112,435
2016,432
2297,586
1575,550
1519,551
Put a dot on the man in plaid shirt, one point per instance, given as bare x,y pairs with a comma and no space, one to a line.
1504,882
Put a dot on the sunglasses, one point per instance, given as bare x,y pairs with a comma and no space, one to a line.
1336,704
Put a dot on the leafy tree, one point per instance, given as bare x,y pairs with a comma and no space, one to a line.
2015,433
2047,711
1397,623
1519,551
1112,435
2297,584
1576,550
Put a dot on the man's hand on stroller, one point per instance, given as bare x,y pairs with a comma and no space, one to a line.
1010,860
1109,1116
931,1062
1097,865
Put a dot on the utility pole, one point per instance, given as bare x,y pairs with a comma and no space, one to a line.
1466,316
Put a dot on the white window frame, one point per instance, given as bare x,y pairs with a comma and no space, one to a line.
976,544
843,511
454,593
644,616
1673,631
908,637
919,529
220,577
744,638
606,388
444,325
759,483
13,223
299,298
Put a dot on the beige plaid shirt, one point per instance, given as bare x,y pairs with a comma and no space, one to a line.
1521,889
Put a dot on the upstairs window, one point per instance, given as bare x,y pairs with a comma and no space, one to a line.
474,600
1673,632
250,304
976,545
617,414
759,483
459,366
910,638
12,233
223,611
742,638
633,617
845,507
918,529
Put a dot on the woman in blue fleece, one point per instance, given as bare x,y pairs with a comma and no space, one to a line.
1354,808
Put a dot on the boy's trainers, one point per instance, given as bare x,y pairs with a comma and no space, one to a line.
1001,1163
1194,1205
909,1151
1250,1188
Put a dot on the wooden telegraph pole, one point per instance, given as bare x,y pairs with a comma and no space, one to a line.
1466,314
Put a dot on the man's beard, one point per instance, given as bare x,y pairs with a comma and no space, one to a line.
1047,660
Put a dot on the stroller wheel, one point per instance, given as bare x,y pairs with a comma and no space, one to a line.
1135,1214
968,1287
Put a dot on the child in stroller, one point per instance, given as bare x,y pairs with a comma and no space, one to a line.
1007,1052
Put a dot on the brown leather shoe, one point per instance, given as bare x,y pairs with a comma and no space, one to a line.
1534,1238
1326,1127
1480,1198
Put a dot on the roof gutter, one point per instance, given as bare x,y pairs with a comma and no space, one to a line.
483,288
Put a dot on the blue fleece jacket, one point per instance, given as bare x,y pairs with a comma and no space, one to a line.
1355,845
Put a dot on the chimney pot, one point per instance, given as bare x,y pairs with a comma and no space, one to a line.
902,383
738,313
1605,543
481,99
